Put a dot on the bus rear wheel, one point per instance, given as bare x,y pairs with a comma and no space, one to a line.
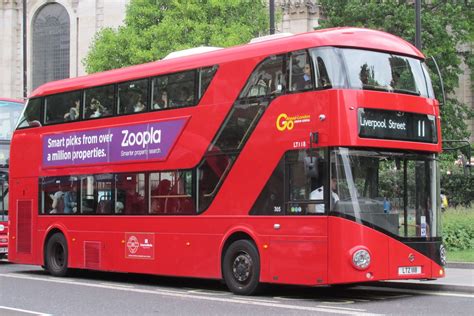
56,255
241,267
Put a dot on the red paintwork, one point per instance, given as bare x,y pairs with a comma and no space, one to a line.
305,250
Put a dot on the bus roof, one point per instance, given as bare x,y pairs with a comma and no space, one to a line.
340,37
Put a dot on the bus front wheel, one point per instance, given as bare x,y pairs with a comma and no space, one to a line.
56,255
241,267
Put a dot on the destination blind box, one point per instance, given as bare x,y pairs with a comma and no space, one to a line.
383,124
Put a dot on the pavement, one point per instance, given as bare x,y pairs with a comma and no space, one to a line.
459,277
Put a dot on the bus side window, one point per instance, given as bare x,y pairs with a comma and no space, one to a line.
131,197
99,102
205,78
133,96
267,79
307,177
181,89
301,77
59,107
58,195
32,114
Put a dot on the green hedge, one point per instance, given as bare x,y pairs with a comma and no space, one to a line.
458,228
458,188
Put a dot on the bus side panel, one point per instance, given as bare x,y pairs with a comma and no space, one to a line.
298,250
143,245
345,237
24,240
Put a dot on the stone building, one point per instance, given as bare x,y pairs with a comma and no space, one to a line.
59,33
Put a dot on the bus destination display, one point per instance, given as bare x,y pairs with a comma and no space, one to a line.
383,124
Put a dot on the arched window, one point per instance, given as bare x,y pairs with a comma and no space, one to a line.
51,29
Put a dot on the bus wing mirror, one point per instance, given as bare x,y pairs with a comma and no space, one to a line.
441,83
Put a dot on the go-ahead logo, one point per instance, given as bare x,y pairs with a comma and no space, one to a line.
285,122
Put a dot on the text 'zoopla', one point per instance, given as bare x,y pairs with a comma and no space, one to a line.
142,139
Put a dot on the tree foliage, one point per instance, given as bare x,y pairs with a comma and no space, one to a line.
446,28
154,28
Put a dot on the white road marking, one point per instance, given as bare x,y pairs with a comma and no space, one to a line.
192,296
424,292
116,284
22,311
344,308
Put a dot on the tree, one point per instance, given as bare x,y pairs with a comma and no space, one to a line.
154,28
446,26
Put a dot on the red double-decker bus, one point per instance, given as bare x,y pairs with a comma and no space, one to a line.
10,111
309,159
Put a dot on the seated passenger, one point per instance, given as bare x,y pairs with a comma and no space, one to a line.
139,105
70,200
96,109
58,202
161,102
73,113
119,207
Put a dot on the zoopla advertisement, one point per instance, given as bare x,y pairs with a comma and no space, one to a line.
115,144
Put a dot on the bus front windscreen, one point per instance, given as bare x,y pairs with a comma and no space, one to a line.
379,71
396,192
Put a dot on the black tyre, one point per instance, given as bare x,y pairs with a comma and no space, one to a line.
56,255
241,267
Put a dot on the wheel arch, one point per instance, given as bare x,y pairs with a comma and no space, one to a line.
238,233
50,232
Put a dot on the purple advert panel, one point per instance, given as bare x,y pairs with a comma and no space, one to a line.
114,144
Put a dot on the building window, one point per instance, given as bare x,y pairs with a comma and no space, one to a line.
51,44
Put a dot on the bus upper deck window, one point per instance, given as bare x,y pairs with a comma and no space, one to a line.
62,107
301,76
328,70
133,96
267,79
99,102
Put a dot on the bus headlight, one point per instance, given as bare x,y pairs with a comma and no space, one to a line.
442,254
361,259
2,228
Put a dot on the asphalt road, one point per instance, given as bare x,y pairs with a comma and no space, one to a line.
28,290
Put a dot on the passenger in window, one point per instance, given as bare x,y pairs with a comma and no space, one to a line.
159,196
161,102
307,76
139,105
73,113
318,194
96,109
304,81
119,207
58,202
185,97
70,200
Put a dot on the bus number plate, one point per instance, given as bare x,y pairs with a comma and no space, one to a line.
409,270
3,249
